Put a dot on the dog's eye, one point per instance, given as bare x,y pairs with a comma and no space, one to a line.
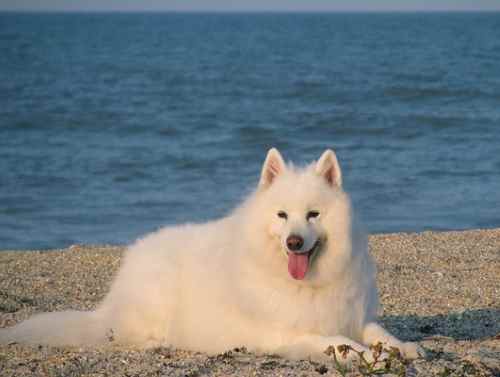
312,215
283,215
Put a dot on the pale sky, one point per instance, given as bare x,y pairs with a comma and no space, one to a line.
249,5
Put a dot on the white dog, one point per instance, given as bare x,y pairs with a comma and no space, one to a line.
286,272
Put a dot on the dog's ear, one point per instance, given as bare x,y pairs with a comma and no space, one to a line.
273,166
328,167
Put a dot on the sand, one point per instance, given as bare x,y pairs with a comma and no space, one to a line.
440,289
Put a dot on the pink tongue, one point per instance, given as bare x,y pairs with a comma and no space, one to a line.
297,265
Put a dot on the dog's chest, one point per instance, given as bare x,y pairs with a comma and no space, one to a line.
302,309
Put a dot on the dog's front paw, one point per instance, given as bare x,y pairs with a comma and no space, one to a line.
412,351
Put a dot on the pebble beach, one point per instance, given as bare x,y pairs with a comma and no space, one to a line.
441,289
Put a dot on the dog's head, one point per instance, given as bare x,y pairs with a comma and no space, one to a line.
305,216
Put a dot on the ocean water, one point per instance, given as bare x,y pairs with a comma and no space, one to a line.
113,125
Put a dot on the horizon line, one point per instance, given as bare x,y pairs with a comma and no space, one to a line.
256,11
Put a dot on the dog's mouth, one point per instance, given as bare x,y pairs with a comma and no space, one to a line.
298,263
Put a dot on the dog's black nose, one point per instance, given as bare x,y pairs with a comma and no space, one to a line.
294,242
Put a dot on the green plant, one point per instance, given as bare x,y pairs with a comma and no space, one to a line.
382,361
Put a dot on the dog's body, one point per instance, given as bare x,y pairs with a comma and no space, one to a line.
287,272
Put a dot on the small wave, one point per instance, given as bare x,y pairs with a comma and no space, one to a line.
419,77
14,210
188,162
255,133
169,131
10,37
406,92
438,121
447,173
361,130
23,125
130,175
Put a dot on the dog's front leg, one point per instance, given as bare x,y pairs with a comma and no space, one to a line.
374,333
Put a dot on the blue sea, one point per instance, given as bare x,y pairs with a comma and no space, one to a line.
113,125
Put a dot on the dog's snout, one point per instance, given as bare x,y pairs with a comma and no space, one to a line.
294,242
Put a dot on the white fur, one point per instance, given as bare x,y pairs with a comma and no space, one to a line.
224,284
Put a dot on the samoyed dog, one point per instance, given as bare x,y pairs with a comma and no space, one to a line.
287,272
